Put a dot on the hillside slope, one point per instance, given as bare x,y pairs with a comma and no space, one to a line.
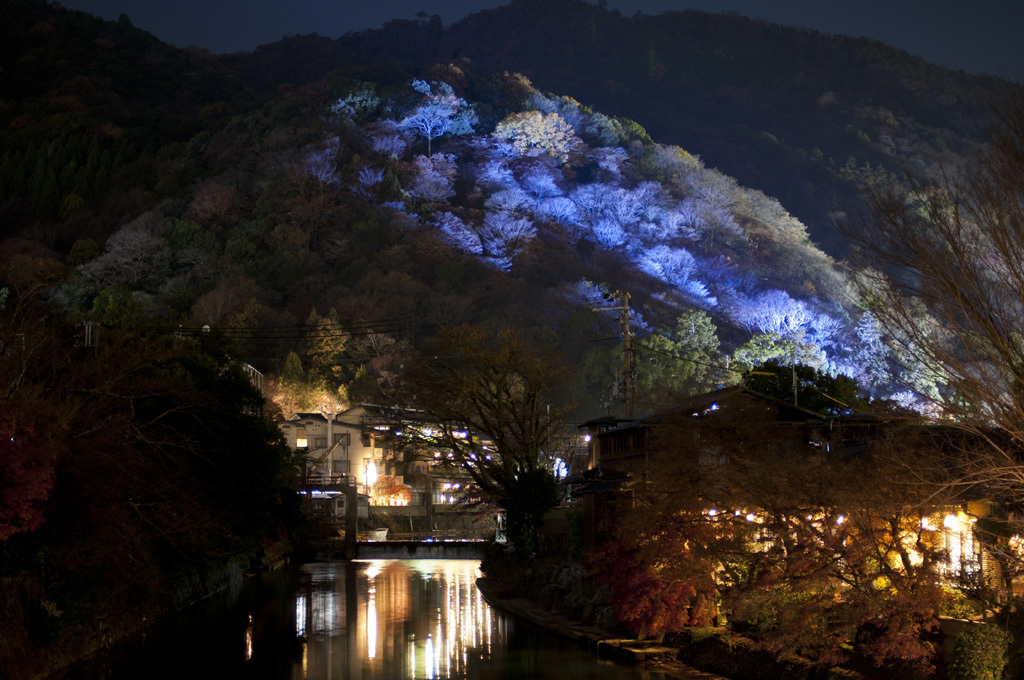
329,229
801,115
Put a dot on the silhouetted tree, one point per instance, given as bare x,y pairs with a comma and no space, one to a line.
943,273
492,403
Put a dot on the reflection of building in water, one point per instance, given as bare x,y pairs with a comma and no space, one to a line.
456,623
390,618
320,607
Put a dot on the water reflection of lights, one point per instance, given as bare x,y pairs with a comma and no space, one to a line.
417,619
248,640
372,572
371,630
300,615
461,620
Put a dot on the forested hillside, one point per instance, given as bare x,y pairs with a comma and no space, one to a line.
803,116
332,226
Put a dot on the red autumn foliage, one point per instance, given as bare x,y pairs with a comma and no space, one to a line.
28,464
645,604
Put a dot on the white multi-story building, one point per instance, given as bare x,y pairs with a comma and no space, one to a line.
339,449
361,446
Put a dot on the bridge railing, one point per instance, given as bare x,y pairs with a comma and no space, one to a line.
440,535
328,480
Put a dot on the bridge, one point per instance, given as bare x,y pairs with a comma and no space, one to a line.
336,548
353,543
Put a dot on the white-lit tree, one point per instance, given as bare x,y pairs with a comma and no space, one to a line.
535,132
441,113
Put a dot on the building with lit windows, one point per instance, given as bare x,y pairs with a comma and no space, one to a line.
704,432
364,447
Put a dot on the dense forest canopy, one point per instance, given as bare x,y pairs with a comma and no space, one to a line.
327,220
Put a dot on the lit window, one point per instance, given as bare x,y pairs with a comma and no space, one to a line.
302,443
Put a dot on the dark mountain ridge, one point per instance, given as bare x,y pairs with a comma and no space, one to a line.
802,115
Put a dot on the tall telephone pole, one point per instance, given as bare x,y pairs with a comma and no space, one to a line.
627,346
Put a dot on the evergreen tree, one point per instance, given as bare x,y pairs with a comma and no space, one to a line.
46,196
682,362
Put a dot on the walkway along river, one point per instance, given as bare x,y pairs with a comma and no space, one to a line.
364,619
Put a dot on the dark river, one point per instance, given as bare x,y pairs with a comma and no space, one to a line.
352,620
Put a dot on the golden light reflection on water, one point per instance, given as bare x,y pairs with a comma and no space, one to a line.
391,618
248,640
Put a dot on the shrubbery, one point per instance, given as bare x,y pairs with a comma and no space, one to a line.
979,653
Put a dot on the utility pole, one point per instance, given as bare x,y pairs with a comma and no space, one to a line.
90,334
794,376
627,346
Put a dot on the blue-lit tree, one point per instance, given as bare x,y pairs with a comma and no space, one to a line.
441,113
773,311
432,178
457,233
540,183
504,235
322,161
511,200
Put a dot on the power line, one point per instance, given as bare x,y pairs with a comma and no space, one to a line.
326,330
692,361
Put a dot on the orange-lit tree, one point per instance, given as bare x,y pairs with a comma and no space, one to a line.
805,548
389,491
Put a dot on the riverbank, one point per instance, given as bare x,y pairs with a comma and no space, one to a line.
41,644
646,655
556,595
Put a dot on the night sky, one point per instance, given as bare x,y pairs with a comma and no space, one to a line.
982,36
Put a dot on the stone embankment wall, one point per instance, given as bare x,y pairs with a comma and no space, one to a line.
560,585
